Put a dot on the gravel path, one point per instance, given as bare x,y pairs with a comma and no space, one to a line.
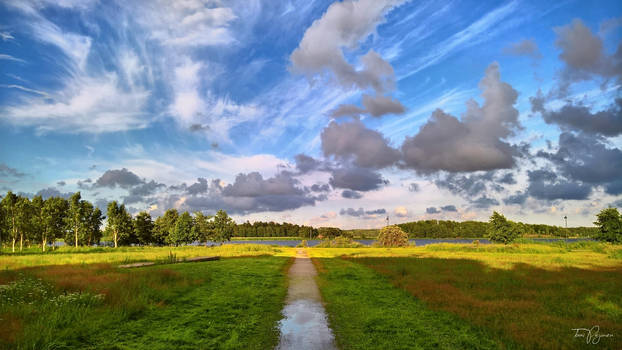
304,325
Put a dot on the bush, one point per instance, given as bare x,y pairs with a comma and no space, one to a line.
392,236
340,242
303,244
502,230
329,232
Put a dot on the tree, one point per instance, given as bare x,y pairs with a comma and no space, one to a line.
3,225
75,217
119,223
53,216
203,227
392,236
24,219
502,230
609,223
92,224
143,228
9,203
37,224
223,227
164,225
183,232
329,232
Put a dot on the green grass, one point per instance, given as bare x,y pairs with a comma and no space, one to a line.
366,312
530,306
233,303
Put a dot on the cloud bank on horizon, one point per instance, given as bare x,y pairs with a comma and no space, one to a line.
317,112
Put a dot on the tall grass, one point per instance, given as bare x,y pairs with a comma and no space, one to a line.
90,255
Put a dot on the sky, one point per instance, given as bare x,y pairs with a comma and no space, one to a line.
316,112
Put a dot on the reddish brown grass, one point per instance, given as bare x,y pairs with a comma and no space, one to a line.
533,307
11,327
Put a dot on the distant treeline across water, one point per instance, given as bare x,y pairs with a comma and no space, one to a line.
453,229
415,229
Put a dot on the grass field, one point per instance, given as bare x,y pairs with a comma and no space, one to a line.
527,295
89,255
523,296
233,303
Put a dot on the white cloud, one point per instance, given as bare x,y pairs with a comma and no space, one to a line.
74,46
6,36
190,23
11,58
92,106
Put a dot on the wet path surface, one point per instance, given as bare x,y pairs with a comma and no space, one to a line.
304,325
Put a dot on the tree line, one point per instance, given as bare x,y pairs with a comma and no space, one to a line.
608,227
455,229
274,229
78,222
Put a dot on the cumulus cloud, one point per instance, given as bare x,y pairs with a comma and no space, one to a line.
584,55
474,143
376,106
525,47
413,187
607,122
546,185
320,188
61,183
518,198
432,210
305,164
468,185
139,190
351,194
251,193
118,177
52,192
343,26
360,212
356,179
198,187
484,202
449,208
6,171
346,110
401,212
353,140
139,193
587,161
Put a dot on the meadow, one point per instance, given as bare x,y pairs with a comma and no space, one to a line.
523,295
232,303
468,296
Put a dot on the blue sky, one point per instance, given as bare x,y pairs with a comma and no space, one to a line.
316,112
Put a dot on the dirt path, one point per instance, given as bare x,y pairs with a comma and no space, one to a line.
304,325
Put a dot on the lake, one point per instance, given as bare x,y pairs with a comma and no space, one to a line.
416,241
